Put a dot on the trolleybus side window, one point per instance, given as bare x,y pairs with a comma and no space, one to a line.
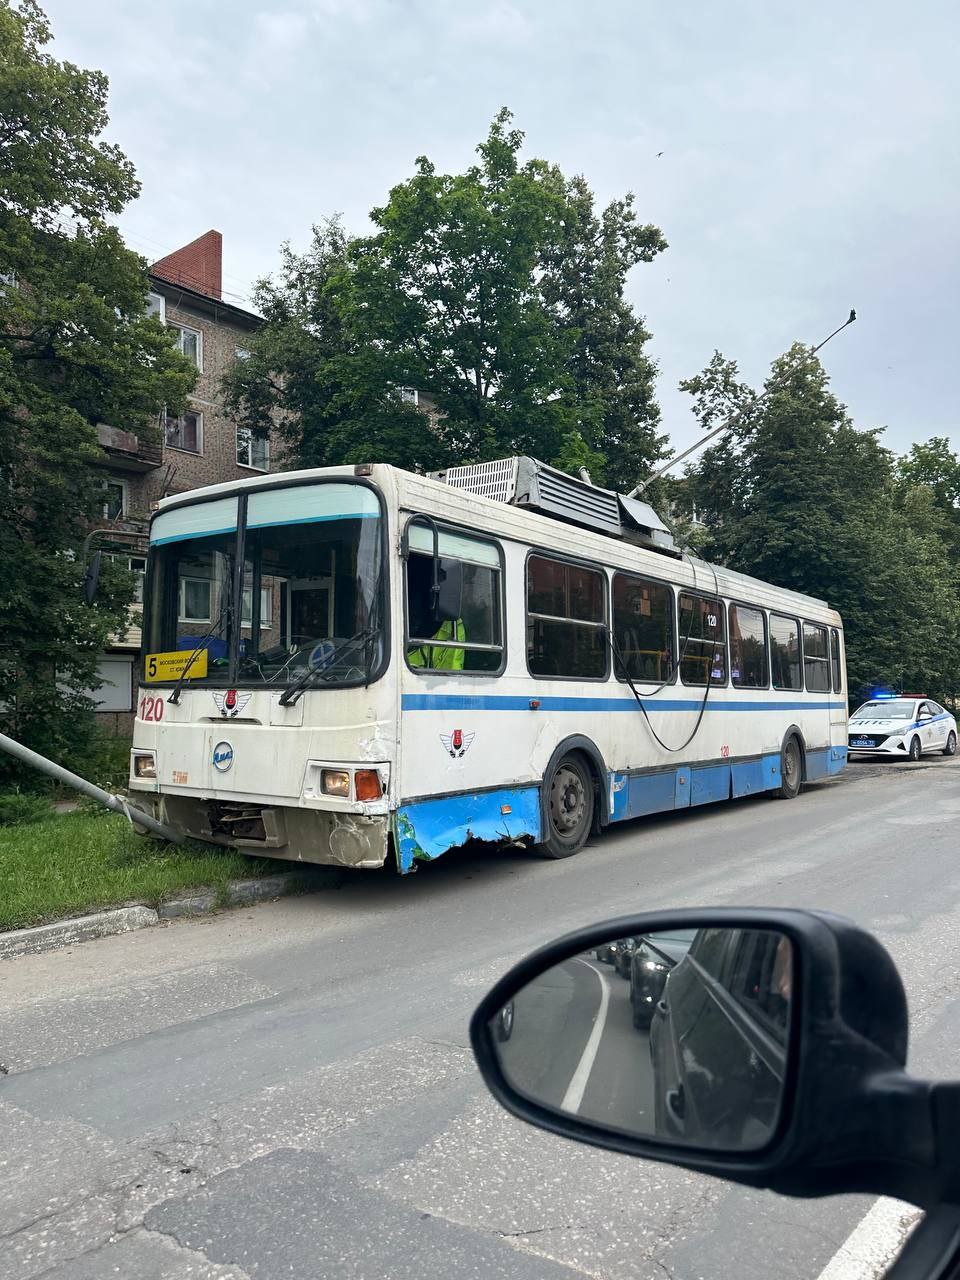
748,648
835,660
785,652
565,620
643,629
468,637
702,647
816,658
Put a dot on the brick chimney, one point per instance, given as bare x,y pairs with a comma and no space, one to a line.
198,265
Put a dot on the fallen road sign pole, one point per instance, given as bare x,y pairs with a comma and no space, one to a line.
117,803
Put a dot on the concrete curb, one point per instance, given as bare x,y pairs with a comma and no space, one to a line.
64,933
240,893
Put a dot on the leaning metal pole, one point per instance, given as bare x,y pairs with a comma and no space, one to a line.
117,803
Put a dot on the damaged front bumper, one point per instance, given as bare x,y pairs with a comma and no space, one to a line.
320,836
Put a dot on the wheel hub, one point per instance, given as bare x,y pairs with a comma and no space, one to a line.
568,801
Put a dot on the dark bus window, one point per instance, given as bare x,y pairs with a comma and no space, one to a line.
785,652
565,620
748,648
816,658
643,629
474,640
835,660
701,641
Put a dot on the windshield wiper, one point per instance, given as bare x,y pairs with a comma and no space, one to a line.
294,690
201,643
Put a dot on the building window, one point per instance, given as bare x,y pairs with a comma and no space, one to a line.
565,620
785,652
702,647
471,641
252,450
190,342
748,648
643,628
156,306
816,658
194,600
266,608
115,500
409,395
114,688
185,433
136,565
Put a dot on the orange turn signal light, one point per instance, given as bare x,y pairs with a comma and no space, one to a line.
366,784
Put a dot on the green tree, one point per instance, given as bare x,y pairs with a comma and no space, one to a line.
499,291
330,395
76,349
583,282
797,495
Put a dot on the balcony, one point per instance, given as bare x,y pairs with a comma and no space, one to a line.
126,451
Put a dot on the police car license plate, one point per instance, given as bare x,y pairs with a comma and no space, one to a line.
861,742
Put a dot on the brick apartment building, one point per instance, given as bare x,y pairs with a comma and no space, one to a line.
202,446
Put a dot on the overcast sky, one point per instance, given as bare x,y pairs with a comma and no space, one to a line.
811,153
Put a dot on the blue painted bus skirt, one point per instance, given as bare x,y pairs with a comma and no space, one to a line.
425,829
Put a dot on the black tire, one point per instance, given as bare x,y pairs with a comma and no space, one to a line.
791,769
916,751
951,748
569,808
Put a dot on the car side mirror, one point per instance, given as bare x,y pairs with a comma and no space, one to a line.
766,1047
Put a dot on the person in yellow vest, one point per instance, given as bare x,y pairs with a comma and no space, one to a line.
440,657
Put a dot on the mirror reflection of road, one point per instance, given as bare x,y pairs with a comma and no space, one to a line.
574,1047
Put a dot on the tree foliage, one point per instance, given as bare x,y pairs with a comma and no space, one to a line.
499,291
76,349
800,497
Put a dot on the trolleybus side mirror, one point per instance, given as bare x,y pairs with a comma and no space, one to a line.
92,579
449,598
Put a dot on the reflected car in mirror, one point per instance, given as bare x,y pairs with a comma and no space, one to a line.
650,963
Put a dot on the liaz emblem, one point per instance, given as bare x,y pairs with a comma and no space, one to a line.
231,703
457,743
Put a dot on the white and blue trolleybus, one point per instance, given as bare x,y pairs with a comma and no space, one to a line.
358,662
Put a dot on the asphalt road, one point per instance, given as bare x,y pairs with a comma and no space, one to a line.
287,1091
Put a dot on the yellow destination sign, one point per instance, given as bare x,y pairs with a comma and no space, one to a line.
169,666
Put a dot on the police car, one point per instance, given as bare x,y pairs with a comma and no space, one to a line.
906,726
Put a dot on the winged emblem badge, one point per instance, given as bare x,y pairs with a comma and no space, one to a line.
457,743
230,703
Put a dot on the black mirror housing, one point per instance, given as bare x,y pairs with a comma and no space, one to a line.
449,602
92,579
851,1119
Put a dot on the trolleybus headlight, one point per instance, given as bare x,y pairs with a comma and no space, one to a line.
366,784
144,766
335,782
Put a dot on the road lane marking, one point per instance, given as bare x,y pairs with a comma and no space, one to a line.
874,1243
578,1083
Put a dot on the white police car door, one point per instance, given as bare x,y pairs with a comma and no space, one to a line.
929,726
938,727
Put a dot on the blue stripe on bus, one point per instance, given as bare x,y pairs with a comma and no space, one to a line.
513,702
